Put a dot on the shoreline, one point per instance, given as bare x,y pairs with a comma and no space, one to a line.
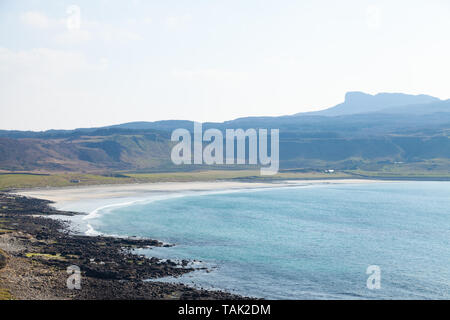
66,195
89,200
33,232
103,276
40,244
38,249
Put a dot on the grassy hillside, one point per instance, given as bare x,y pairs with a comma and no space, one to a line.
26,180
372,142
147,152
87,153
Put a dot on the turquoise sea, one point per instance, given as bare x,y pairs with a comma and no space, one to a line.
310,242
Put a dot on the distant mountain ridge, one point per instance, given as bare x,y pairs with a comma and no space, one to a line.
365,131
360,102
356,103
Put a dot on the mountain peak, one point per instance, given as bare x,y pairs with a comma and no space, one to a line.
359,102
355,96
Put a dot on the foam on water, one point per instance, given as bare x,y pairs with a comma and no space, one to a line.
312,242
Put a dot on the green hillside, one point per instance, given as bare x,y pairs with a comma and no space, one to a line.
364,134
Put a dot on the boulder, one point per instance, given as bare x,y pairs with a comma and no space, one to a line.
2,259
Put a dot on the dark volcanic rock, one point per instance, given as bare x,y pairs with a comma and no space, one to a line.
109,268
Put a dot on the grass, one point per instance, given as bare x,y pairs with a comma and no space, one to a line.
397,174
432,169
5,294
45,256
24,180
21,181
404,171
210,175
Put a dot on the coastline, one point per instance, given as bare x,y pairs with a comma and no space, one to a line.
66,195
38,249
90,200
36,239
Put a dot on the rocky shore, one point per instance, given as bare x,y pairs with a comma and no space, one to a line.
35,252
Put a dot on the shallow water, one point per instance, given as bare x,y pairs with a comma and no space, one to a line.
312,242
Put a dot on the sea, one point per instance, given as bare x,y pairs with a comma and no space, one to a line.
382,240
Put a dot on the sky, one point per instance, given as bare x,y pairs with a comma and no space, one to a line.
70,64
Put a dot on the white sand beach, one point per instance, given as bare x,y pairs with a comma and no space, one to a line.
72,195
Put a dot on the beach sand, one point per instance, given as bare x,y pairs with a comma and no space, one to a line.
68,195
26,231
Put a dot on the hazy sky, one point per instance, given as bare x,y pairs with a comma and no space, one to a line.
210,60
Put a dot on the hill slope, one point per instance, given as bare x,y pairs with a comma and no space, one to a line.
386,133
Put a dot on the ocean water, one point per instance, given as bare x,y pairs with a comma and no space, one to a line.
310,242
